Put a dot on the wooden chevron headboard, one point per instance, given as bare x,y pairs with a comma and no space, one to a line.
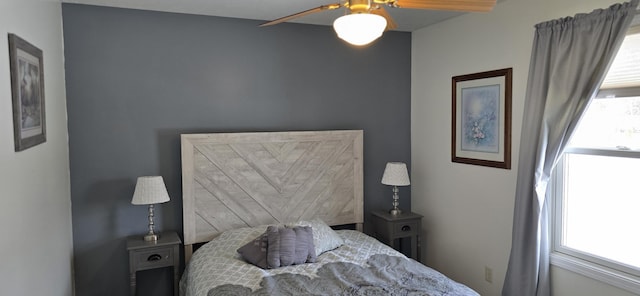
232,180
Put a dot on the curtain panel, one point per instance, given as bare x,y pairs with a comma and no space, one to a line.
569,60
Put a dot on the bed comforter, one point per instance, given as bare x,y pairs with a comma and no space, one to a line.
362,266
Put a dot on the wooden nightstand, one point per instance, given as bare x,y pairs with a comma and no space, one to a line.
145,255
391,229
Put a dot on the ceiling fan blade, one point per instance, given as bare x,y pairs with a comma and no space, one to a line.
302,13
457,5
391,24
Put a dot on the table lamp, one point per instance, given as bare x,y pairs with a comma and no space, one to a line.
150,190
395,174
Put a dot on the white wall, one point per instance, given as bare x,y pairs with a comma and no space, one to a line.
35,204
469,209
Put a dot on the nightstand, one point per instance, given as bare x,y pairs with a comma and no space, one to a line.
144,255
392,228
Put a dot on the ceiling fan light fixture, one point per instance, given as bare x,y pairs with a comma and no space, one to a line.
359,28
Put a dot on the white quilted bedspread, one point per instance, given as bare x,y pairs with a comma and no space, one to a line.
217,262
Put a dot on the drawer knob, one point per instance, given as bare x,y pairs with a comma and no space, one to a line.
154,257
406,228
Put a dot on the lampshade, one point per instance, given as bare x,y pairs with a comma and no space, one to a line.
396,174
360,28
150,190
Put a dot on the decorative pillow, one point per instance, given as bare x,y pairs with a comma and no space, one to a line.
305,249
288,246
255,252
324,238
282,247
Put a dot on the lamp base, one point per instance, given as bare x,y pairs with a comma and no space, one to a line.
395,211
150,237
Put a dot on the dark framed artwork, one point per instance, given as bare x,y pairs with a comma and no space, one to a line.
27,90
481,118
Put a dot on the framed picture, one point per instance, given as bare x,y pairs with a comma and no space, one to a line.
27,89
481,118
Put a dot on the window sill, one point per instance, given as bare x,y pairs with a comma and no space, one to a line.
609,276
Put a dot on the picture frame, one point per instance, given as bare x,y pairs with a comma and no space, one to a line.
481,118
27,90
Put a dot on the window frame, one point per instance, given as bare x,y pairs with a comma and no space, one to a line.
617,274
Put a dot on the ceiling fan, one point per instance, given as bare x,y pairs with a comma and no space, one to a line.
365,20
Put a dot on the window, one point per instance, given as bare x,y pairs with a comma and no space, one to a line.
596,186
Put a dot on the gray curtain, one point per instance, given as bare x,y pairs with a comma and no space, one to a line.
569,60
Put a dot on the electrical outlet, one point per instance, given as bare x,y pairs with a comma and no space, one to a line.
488,274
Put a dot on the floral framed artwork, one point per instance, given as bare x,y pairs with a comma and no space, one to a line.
27,90
481,118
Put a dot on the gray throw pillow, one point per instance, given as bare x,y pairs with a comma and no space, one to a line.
282,246
288,246
255,252
305,249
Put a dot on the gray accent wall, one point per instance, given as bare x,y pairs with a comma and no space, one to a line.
136,80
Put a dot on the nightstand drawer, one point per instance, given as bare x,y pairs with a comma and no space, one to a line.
153,258
406,228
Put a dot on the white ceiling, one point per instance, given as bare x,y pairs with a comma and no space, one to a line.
407,19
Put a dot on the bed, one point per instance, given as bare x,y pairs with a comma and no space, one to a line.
241,188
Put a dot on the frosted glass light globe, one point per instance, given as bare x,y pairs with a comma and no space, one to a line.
360,28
